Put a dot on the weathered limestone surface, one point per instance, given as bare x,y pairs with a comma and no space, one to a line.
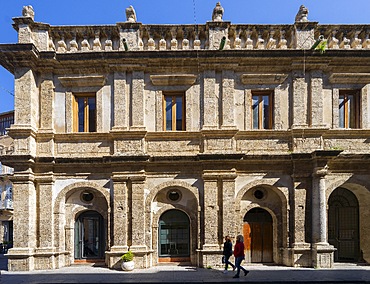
217,171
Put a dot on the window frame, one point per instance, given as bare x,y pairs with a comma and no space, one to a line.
357,109
174,95
75,112
261,94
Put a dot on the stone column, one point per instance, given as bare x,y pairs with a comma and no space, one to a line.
301,250
120,101
322,252
299,98
44,253
137,211
228,107
210,101
228,204
120,212
319,218
211,214
21,256
26,99
46,132
138,230
47,102
137,107
119,225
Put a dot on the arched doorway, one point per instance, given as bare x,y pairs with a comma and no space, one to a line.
89,236
174,236
257,231
343,225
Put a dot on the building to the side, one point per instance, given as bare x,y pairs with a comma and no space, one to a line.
6,188
162,139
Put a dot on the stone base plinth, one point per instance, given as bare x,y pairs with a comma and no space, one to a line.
209,258
21,259
322,255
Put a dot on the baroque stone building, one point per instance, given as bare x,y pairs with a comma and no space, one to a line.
161,139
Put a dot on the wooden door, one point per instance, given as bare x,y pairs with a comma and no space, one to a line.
257,231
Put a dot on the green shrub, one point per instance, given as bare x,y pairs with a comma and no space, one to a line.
128,256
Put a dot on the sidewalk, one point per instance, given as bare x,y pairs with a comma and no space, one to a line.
344,273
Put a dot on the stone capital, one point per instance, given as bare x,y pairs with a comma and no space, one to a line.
321,172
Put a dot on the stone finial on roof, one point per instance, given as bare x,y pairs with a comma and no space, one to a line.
130,15
302,14
218,12
28,11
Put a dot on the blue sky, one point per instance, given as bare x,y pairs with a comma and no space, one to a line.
85,12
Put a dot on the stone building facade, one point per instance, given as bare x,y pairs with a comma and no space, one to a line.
162,139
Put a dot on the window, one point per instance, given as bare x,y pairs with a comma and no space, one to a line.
349,109
84,113
174,111
262,110
6,120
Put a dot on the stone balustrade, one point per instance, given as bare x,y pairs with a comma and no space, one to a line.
216,34
190,37
345,36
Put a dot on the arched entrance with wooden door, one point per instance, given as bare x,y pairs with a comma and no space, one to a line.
343,225
258,235
174,237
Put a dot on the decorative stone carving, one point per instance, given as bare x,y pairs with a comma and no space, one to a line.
85,46
260,43
174,44
237,43
185,44
162,44
28,12
271,44
151,44
73,45
96,43
333,43
249,43
302,15
130,15
62,47
366,44
108,45
218,13
356,43
345,44
197,44
282,44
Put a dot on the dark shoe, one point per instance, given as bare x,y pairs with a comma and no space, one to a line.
246,272
236,276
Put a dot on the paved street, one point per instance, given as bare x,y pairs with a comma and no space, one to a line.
342,273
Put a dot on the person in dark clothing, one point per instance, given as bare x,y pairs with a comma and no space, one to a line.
227,252
239,256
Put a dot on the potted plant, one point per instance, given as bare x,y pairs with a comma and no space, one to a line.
128,263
